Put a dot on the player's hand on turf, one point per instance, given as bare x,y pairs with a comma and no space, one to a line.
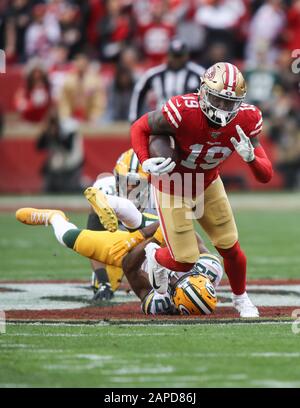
104,292
121,248
158,165
244,148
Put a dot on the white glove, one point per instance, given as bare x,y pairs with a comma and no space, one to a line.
158,165
244,148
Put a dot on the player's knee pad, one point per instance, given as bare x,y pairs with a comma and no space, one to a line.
180,221
226,240
219,211
223,230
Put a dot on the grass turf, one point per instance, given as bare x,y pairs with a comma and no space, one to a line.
269,238
140,356
242,355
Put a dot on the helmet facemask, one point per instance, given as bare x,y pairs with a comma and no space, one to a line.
131,181
219,107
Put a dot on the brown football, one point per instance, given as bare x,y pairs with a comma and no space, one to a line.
163,146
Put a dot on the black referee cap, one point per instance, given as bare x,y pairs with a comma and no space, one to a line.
178,47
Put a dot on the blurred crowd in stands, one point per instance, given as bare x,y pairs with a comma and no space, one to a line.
82,58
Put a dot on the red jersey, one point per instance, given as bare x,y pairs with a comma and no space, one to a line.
155,39
202,148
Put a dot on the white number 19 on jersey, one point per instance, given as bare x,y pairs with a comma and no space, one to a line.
210,160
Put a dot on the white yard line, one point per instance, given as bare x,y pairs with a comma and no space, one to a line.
85,334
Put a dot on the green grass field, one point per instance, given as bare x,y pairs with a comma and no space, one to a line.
270,239
206,355
255,355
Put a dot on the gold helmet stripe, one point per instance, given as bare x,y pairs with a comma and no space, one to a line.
200,301
194,300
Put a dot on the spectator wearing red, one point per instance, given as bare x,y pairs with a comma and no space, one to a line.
95,14
58,68
33,100
293,26
115,29
155,35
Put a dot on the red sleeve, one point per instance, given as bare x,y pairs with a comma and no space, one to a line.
140,129
172,111
254,122
139,133
261,166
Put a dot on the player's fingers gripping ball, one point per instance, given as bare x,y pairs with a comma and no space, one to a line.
121,248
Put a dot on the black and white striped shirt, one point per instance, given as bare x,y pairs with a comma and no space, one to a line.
164,83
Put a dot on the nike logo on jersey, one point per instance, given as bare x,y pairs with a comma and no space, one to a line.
214,135
154,283
213,143
178,104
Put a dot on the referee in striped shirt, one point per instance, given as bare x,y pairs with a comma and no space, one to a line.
177,76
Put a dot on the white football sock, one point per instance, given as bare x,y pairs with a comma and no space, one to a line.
61,226
126,211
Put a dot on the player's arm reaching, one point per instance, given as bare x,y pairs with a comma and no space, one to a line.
132,262
123,246
152,123
254,154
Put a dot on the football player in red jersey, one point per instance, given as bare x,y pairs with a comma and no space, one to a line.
208,127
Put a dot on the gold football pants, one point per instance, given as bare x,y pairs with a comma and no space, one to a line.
97,244
176,218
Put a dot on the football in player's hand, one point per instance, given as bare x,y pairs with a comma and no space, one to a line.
163,146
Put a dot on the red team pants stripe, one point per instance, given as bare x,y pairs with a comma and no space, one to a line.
162,223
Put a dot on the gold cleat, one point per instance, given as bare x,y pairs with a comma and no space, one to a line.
34,216
101,207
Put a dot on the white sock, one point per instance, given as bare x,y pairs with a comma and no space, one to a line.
126,211
61,226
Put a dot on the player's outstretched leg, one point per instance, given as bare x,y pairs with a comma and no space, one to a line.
56,218
34,216
121,207
90,244
165,259
235,267
100,205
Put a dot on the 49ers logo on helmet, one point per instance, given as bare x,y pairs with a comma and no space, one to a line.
210,73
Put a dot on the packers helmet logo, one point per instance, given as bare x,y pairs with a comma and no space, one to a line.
210,289
194,295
